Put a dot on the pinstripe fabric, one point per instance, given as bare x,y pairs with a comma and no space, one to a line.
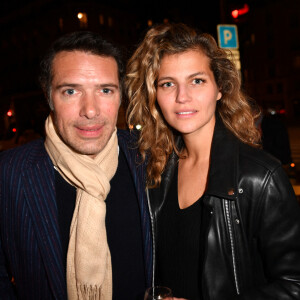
30,248
126,142
28,224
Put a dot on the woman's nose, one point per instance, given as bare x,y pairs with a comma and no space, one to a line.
182,94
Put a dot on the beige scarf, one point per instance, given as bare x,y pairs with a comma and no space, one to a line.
89,274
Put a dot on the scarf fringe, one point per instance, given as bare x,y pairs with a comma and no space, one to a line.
89,292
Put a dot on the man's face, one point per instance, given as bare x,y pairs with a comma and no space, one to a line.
86,97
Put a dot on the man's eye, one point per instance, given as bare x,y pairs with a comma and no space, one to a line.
70,92
106,91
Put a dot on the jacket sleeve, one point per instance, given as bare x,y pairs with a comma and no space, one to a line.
278,241
6,286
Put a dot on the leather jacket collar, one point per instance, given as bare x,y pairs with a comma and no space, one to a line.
224,156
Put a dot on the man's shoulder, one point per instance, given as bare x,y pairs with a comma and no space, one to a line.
128,139
128,143
129,136
22,154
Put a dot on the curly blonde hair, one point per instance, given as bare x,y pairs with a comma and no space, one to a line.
156,137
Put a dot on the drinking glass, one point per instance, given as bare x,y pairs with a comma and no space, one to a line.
158,293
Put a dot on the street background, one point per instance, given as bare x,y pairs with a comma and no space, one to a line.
268,52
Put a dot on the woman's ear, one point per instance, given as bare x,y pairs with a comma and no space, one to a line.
219,95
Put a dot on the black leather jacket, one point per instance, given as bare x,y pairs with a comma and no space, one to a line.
251,224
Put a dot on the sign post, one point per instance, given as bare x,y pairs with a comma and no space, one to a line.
228,40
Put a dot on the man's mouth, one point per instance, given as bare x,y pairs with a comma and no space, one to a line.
89,131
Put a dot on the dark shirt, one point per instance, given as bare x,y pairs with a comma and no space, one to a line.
178,246
65,198
123,229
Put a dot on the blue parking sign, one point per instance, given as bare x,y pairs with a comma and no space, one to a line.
227,36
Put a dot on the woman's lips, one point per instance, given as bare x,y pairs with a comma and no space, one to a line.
186,113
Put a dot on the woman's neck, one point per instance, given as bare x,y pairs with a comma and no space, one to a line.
198,146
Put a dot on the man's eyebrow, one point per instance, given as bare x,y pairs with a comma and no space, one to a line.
106,85
75,85
64,84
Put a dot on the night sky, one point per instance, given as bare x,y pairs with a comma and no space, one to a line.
177,10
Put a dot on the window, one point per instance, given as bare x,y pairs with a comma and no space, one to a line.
83,20
61,24
270,89
110,21
101,19
279,88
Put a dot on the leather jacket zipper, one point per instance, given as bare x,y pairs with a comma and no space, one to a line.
232,245
153,237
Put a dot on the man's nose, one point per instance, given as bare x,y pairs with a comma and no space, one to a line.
89,106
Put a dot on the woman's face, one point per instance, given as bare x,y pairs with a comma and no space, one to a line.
187,92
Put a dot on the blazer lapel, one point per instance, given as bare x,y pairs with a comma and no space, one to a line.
40,196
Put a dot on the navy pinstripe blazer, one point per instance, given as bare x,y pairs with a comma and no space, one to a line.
30,247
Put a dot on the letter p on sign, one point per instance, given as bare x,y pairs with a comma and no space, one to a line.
227,36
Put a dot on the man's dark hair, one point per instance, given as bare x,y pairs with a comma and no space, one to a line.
85,41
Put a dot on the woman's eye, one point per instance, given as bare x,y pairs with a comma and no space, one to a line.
198,81
167,84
